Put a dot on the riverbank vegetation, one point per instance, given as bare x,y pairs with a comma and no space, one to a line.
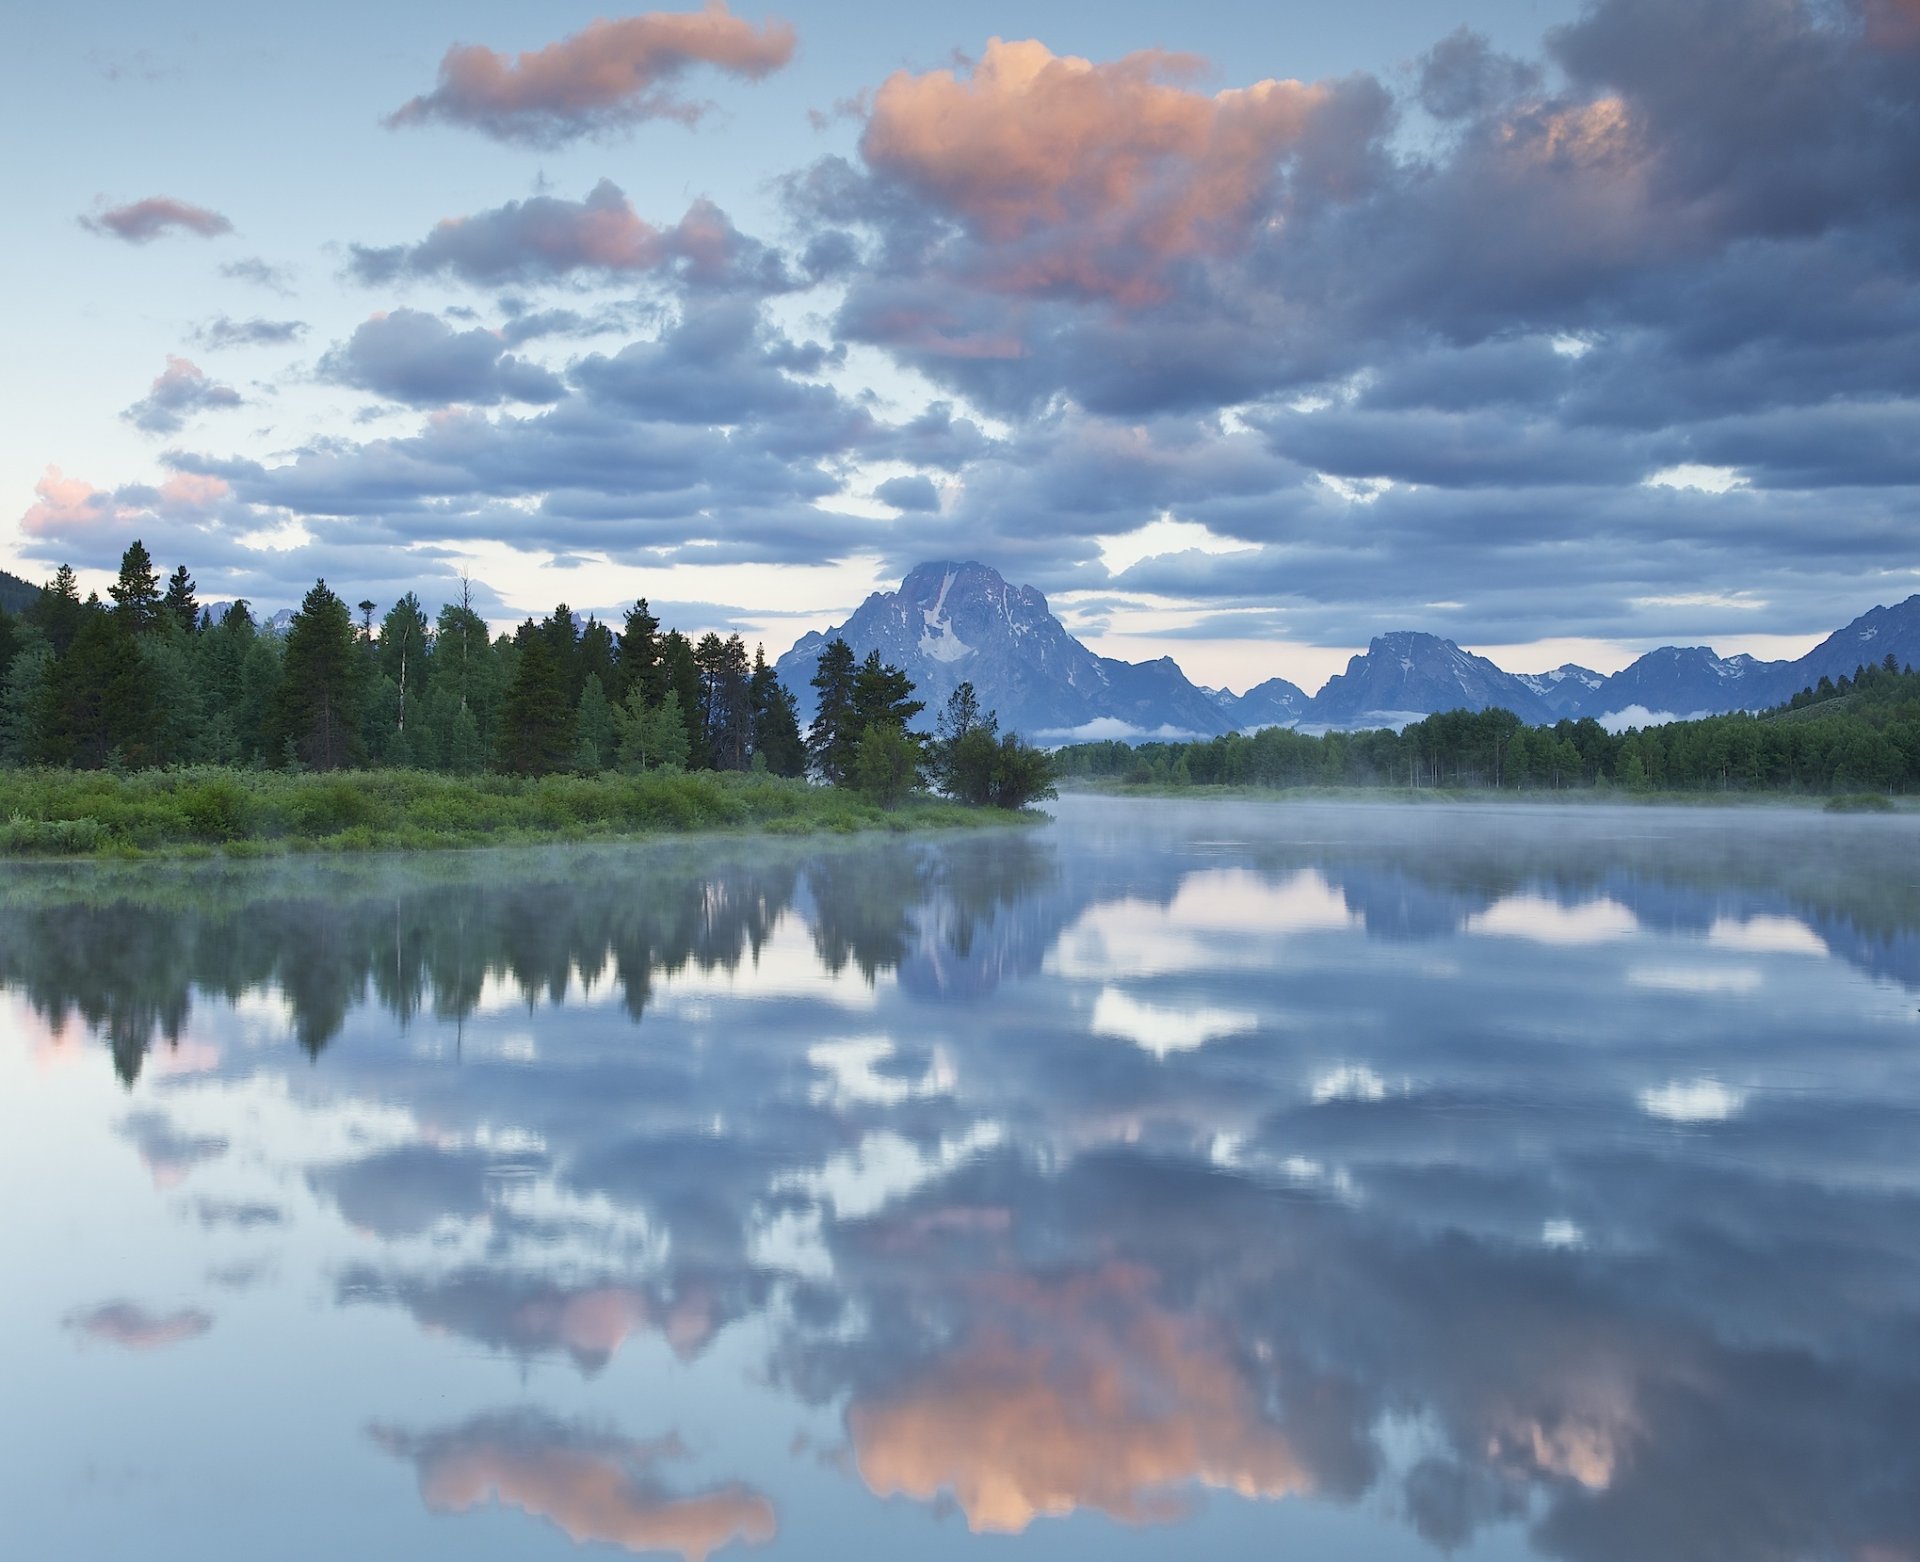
1859,736
198,810
149,723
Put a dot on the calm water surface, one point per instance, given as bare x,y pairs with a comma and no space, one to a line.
1212,1180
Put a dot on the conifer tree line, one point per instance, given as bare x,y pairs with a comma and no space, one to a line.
1852,734
151,678
148,678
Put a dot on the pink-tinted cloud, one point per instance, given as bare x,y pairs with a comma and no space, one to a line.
180,390
546,238
591,1486
139,222
1082,1394
608,75
131,1326
67,504
1087,177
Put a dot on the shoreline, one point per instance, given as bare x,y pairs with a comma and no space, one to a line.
214,813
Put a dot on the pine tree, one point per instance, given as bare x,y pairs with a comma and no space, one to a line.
682,679
639,656
534,736
597,657
563,646
726,710
316,708
58,613
98,704
776,721
835,729
403,655
180,603
136,594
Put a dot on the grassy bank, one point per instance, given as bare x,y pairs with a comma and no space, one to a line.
191,812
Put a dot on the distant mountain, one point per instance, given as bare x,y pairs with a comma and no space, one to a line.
953,623
1406,675
1689,681
1275,703
1677,681
16,595
1566,689
950,623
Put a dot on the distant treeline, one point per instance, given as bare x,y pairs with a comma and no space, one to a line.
150,679
1861,734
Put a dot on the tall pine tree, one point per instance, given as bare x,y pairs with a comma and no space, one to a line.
316,709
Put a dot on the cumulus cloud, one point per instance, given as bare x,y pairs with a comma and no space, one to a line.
177,393
418,359
547,238
608,76
914,492
221,331
1085,177
591,1485
140,222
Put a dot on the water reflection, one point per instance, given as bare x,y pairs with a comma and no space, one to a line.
1538,1181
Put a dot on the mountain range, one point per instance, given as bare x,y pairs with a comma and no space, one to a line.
951,622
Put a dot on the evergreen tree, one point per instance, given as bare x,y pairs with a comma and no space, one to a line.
23,702
776,721
682,678
465,663
180,603
9,642
316,708
835,729
964,747
58,613
563,647
136,594
639,656
883,696
97,704
726,709
597,657
403,656
534,735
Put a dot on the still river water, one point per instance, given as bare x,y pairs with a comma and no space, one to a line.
1176,1180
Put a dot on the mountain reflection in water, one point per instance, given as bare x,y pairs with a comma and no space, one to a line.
1358,1181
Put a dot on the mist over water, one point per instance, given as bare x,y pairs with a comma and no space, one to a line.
1212,1178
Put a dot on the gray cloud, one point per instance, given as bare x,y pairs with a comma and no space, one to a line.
221,331
547,238
418,359
177,393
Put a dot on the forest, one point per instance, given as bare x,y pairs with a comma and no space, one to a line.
152,681
1860,735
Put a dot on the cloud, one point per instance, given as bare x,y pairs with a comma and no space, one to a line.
260,273
1080,1393
132,1326
1082,177
224,332
418,359
140,222
606,77
547,238
914,492
591,1485
177,393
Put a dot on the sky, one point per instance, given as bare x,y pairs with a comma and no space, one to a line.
1245,333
